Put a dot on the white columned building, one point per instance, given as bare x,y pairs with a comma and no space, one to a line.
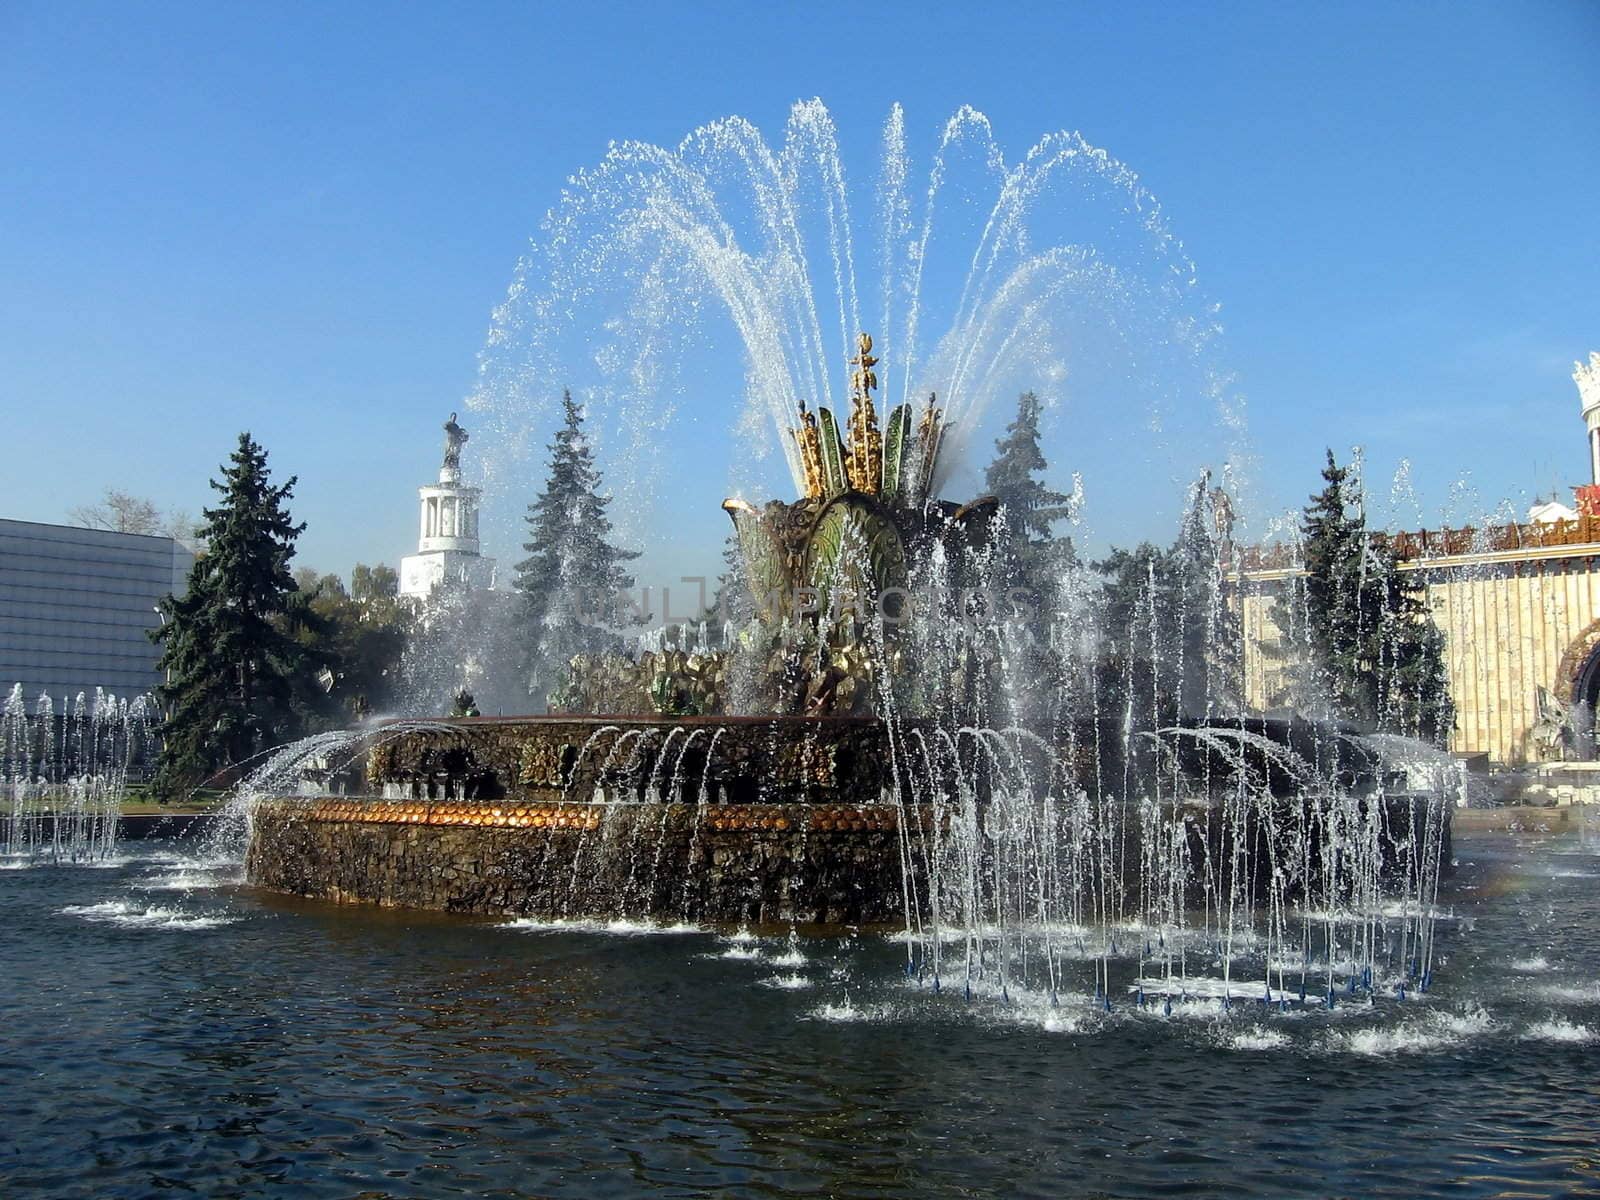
1588,380
447,541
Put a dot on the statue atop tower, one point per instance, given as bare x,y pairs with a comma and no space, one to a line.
447,544
454,438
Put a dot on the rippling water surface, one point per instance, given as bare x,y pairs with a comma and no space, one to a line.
163,1029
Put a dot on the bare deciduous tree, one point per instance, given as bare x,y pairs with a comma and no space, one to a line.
120,512
123,512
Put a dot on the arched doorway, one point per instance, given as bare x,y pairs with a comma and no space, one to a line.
1577,687
1585,702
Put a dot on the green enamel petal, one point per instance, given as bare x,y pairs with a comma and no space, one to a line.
834,480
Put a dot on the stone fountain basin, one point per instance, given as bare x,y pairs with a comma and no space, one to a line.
766,863
755,819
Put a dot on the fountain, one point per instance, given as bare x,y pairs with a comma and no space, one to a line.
874,791
63,774
890,739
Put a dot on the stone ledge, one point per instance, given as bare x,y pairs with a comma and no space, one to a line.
836,865
575,815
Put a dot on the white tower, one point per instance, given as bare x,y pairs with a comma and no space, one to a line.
1588,380
447,546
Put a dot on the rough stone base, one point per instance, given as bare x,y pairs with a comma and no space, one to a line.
755,863
809,863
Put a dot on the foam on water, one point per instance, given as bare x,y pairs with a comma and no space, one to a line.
1570,993
121,912
619,926
1189,1008
12,862
1197,987
131,856
1391,910
792,982
847,1010
1557,1029
1257,1039
1433,1031
946,934
1060,1023
1530,966
190,880
1050,1018
1069,1015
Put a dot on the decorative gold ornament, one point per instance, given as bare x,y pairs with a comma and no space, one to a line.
809,441
539,764
864,463
930,432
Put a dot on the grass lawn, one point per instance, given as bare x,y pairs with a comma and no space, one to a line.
137,802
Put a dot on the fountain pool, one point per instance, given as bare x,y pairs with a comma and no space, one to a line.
168,1029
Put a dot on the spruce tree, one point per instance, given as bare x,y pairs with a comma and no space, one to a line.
1378,653
1414,684
1211,638
731,601
231,664
573,572
1169,634
1139,624
1031,554
1341,610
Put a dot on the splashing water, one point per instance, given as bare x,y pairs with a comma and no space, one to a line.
731,266
63,775
667,278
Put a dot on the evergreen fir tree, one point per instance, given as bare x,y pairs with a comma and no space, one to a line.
1031,555
1342,612
1378,653
231,664
1171,639
573,572
1140,623
1413,684
1210,635
731,601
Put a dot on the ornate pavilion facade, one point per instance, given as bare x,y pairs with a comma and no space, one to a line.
1519,606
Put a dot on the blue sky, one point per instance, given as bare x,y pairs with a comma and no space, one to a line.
297,220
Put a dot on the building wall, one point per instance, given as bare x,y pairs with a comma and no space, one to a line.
76,607
1512,624
421,573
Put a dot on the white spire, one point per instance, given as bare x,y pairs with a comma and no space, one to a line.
1588,380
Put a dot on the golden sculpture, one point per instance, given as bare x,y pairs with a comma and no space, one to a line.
929,434
865,460
539,764
857,458
809,441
